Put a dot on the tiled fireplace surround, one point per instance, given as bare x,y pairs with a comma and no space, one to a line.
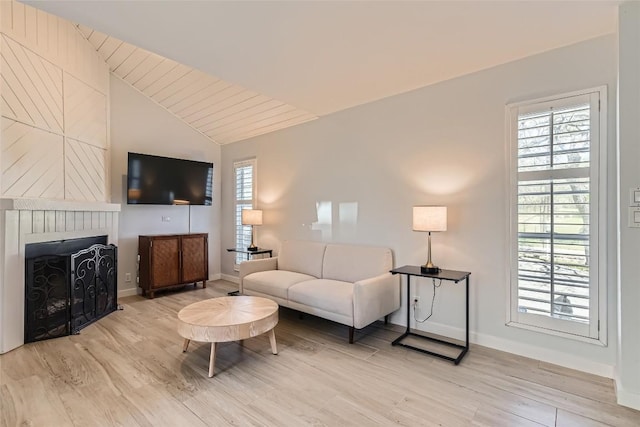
24,221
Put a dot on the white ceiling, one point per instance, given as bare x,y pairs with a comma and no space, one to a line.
325,56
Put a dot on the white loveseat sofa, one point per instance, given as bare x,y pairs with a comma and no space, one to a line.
347,284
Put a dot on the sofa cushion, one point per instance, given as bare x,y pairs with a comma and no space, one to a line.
273,282
301,257
352,263
331,295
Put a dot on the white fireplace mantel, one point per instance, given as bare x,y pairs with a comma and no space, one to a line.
56,205
24,221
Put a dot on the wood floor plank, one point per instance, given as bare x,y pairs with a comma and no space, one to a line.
128,369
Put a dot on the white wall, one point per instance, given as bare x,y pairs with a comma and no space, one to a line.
442,144
628,372
140,125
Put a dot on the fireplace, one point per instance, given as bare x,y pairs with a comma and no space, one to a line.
24,221
69,284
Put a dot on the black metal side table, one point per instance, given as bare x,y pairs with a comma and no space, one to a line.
451,275
249,255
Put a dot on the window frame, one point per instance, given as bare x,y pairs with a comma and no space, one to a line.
248,203
597,329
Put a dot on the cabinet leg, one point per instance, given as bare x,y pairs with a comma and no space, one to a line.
185,345
204,284
151,295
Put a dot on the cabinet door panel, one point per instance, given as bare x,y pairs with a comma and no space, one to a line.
165,255
194,258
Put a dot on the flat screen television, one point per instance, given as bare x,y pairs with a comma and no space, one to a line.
155,180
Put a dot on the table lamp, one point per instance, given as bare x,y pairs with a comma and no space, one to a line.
252,217
429,218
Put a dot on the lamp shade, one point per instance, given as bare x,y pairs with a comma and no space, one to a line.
251,217
429,218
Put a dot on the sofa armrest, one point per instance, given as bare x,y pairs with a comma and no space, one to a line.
255,265
374,298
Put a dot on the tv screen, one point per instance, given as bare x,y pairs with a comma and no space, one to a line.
155,180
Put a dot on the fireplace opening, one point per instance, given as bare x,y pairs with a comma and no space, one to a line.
69,285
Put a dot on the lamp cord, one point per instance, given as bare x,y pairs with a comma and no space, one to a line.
433,298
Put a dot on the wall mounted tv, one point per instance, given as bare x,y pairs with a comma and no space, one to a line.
155,180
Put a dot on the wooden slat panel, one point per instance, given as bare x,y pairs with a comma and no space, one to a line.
163,68
132,61
219,109
259,117
167,79
30,27
60,221
200,117
95,220
70,221
108,48
38,221
226,119
85,31
43,30
6,17
49,221
52,37
189,93
216,94
239,136
79,221
180,84
18,19
31,87
85,112
97,38
120,54
31,162
218,115
87,220
84,172
151,62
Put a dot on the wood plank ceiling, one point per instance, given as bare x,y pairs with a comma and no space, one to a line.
220,110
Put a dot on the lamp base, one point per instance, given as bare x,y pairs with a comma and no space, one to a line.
429,270
252,248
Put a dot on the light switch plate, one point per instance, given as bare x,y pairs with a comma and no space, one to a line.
634,196
634,217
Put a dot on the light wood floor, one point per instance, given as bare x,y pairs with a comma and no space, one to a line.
128,369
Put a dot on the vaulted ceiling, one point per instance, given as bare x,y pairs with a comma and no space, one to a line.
242,68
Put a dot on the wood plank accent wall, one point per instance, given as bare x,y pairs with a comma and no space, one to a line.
54,140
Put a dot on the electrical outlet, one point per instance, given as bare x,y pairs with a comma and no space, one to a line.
166,219
416,301
127,277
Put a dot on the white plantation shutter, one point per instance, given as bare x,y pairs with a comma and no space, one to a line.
244,173
554,236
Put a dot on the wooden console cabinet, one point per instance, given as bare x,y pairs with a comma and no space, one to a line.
172,260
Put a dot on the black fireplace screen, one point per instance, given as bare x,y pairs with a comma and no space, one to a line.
66,292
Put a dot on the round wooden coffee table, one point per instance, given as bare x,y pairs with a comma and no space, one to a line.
225,319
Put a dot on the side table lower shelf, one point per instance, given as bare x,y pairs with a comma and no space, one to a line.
455,360
450,275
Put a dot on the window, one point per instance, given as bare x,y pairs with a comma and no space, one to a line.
557,161
244,173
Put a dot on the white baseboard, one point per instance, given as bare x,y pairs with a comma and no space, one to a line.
230,278
216,276
626,398
127,292
570,361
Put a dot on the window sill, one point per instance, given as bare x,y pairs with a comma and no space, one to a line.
595,341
